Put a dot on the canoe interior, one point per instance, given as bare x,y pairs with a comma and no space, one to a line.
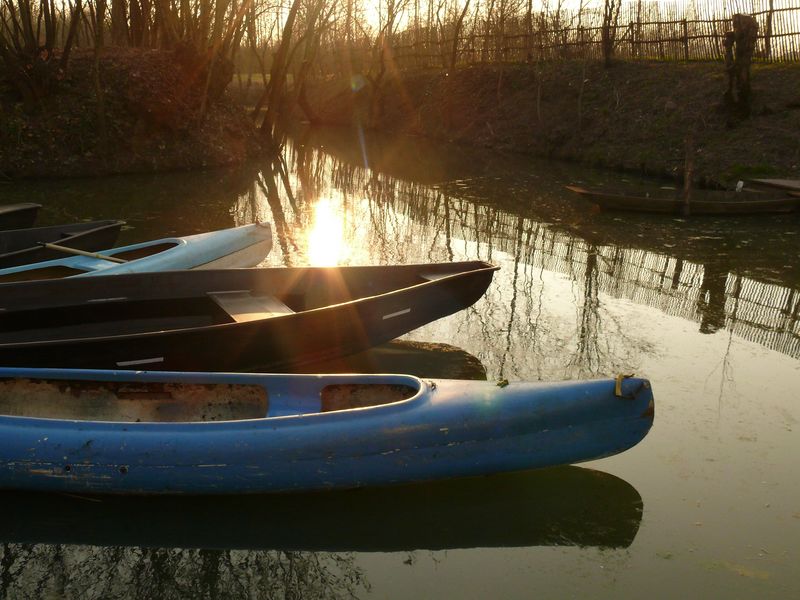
107,318
137,253
54,272
102,311
158,402
61,271
91,235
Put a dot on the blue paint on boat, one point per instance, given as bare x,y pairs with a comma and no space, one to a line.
446,428
243,246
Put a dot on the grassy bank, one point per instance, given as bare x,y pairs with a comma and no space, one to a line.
153,119
633,116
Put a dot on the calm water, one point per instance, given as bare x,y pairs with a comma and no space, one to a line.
707,504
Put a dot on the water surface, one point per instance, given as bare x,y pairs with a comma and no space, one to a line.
708,503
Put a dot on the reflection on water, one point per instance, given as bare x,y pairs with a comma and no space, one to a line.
562,506
708,308
325,238
295,546
696,269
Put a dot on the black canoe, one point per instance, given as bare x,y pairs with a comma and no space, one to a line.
707,203
226,319
15,216
22,246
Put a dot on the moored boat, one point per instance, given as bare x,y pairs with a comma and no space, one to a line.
789,185
214,433
16,216
24,246
708,203
243,246
267,318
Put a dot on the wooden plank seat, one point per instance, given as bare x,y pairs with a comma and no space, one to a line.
435,276
242,306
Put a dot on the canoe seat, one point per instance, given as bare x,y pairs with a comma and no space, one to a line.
244,307
434,276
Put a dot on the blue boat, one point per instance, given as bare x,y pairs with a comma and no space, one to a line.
243,246
127,432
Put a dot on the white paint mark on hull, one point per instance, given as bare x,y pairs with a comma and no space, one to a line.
405,311
141,361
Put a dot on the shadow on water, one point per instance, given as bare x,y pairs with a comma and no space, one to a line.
423,359
564,506
292,546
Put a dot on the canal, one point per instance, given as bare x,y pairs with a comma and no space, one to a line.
707,308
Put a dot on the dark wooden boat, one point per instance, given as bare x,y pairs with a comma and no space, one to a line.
23,246
790,185
708,203
227,319
16,216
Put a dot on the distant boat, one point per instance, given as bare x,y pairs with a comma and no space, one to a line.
23,246
267,318
243,246
790,185
709,203
561,506
16,216
222,433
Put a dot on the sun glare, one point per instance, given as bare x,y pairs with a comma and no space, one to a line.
326,244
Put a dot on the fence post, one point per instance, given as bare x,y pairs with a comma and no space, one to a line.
768,32
632,37
685,40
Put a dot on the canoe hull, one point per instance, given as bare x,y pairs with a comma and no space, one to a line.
17,216
449,429
266,344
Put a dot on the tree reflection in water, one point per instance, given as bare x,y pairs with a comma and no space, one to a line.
430,212
88,572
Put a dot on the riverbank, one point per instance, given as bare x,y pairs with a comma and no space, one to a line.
633,117
153,113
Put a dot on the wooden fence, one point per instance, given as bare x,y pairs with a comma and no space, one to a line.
643,31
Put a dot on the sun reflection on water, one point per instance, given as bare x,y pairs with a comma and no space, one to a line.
327,246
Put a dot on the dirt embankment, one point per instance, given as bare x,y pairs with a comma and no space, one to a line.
153,113
633,116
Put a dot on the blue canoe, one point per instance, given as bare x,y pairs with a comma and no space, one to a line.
126,432
243,246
